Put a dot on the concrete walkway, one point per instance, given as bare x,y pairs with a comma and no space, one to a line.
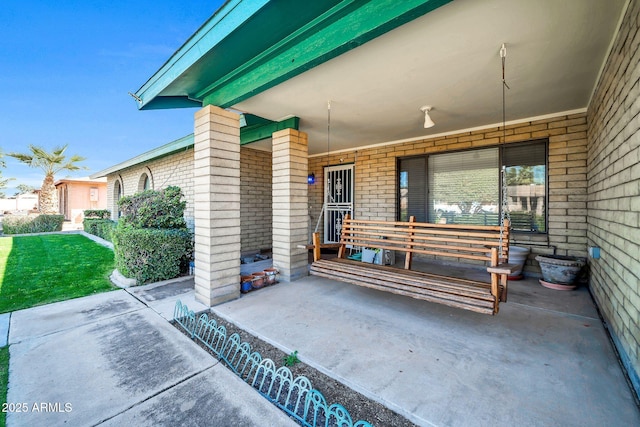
544,360
112,359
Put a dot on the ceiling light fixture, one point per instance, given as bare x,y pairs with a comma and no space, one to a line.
428,123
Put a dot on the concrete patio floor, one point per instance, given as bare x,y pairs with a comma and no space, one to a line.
544,360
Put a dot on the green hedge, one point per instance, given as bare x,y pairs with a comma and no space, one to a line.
151,255
154,209
15,224
102,228
97,213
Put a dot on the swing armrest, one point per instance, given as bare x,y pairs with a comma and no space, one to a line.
503,269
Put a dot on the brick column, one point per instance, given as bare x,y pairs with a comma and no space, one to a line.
216,178
290,212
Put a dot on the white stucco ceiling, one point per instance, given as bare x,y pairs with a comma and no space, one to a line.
450,59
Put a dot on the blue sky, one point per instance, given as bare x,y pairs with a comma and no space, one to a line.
65,70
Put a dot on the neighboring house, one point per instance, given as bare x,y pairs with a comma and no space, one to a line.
75,195
335,89
21,202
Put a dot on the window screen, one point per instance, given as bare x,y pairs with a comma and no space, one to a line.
464,187
525,170
413,189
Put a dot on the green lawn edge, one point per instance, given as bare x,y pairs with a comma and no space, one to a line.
4,381
47,268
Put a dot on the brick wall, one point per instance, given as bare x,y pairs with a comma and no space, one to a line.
376,178
255,199
614,192
177,169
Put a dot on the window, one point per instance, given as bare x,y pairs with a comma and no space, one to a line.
117,195
465,187
144,183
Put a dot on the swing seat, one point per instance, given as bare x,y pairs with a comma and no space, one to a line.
479,244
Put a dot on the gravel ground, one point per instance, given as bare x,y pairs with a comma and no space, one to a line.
359,406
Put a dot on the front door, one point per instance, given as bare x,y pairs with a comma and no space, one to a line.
338,199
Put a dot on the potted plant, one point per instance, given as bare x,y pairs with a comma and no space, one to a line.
518,255
560,272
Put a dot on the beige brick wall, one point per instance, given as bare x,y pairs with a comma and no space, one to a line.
255,199
289,198
216,179
176,169
614,192
376,178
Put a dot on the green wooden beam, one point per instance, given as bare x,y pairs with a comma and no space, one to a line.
345,26
258,132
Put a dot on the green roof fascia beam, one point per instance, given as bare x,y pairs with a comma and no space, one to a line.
342,28
258,132
172,147
225,21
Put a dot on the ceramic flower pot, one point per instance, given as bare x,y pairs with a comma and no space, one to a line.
560,270
246,284
270,275
258,279
518,255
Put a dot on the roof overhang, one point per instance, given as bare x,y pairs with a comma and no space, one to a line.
88,181
252,129
172,147
378,62
247,47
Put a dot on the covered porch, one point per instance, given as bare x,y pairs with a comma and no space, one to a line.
573,100
545,360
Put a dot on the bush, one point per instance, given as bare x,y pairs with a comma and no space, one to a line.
150,255
154,209
97,213
15,224
151,240
102,228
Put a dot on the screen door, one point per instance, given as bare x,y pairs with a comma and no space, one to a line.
338,199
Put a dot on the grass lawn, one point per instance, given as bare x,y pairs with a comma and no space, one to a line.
36,270
4,378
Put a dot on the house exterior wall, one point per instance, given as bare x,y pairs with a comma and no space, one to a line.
376,178
172,170
614,192
177,169
255,199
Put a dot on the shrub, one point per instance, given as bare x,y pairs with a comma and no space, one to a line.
150,255
14,224
154,209
151,240
97,213
102,228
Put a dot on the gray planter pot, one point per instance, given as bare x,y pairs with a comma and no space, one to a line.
563,270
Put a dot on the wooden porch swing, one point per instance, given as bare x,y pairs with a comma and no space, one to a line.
439,241
451,241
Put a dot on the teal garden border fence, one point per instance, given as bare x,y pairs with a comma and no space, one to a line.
295,396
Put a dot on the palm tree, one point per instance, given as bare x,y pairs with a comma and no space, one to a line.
51,163
3,181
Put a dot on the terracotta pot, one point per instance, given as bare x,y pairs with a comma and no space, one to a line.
258,279
271,275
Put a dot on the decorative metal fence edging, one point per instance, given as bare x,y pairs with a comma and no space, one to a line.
295,396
